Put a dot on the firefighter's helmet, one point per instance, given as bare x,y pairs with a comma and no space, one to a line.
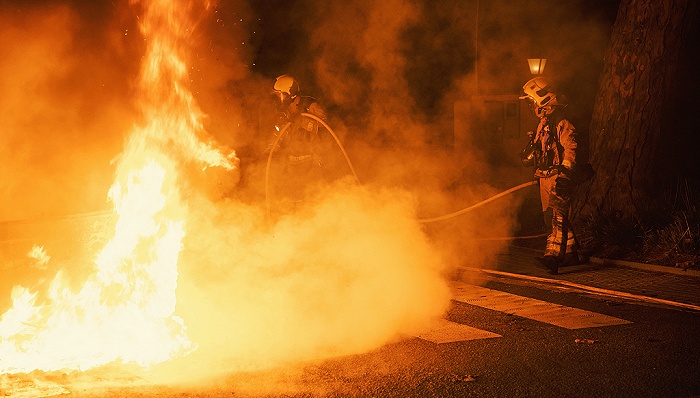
286,89
541,94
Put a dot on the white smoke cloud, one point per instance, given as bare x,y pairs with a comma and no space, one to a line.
348,273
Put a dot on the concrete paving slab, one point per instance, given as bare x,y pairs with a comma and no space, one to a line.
538,310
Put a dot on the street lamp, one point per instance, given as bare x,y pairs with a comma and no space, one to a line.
536,65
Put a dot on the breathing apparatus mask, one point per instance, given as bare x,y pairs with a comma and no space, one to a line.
284,91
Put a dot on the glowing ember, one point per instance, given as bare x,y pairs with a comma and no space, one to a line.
125,310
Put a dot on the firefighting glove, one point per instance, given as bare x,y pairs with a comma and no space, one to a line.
562,186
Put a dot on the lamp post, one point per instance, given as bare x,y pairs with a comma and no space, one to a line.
536,65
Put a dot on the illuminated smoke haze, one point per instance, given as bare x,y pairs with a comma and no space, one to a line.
65,107
352,269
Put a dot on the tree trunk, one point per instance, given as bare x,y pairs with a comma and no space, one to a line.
634,107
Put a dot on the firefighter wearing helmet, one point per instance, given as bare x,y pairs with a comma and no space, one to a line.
302,144
552,151
290,104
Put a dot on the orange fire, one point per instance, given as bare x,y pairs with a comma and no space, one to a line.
125,311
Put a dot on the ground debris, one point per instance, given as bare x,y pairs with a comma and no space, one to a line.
585,341
27,386
686,265
463,378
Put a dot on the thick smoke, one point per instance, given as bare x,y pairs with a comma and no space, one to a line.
351,268
396,71
347,273
381,72
65,108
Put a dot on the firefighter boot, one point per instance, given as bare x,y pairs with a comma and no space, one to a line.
551,263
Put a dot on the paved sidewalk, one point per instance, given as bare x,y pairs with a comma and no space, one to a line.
624,280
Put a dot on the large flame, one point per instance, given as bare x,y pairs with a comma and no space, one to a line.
125,311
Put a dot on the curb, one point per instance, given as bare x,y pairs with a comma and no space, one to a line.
645,267
587,288
630,264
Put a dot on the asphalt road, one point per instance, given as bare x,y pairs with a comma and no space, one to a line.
654,354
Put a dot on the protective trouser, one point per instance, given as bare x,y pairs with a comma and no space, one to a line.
561,241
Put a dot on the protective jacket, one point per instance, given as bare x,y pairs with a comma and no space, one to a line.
302,150
556,145
303,138
555,153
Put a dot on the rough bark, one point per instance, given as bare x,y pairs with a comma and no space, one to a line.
634,106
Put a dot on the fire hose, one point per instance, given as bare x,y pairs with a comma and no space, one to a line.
474,206
284,129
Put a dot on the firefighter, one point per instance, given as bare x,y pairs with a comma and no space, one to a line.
302,144
552,151
290,105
